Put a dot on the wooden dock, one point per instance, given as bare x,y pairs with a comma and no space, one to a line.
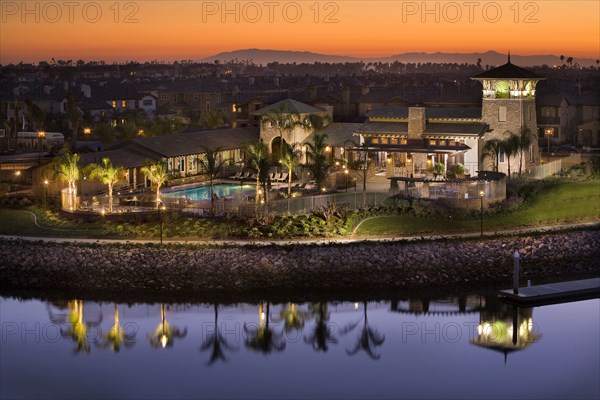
553,292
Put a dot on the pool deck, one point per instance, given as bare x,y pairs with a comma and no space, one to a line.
553,292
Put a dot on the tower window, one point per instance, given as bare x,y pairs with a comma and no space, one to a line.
501,114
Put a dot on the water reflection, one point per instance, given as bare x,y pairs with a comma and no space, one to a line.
164,335
367,349
496,326
369,337
322,333
217,342
263,338
506,329
117,336
77,330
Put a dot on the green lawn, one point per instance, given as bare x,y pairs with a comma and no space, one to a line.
560,203
21,222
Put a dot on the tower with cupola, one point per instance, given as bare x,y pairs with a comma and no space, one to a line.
508,105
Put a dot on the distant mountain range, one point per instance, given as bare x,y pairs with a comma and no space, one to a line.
491,58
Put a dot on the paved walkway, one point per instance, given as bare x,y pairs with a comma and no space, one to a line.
486,235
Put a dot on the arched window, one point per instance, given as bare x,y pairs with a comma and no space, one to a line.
502,90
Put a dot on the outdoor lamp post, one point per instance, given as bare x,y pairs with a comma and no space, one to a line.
346,180
548,132
41,136
481,211
160,208
46,182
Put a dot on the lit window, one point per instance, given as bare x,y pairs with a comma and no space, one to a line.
394,141
432,142
114,104
384,140
403,141
442,142
375,140
123,104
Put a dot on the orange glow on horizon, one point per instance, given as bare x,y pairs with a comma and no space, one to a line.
177,30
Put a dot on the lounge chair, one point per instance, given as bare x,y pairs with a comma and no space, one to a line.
272,176
283,177
238,175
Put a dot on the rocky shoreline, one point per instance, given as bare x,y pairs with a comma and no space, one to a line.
310,267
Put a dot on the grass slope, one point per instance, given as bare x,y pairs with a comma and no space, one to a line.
559,203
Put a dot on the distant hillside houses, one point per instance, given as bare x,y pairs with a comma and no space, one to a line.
567,103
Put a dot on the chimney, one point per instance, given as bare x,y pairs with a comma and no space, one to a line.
416,122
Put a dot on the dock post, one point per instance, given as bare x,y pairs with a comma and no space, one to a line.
517,261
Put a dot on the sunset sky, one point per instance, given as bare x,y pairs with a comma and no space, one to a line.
175,30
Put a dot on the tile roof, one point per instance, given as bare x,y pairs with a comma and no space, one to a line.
401,111
338,133
383,128
191,143
508,71
289,106
456,128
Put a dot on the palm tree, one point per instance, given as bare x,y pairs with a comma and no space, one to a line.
117,336
66,168
212,119
525,140
322,333
158,174
283,122
217,342
36,114
362,161
263,338
290,158
562,58
165,334
212,165
570,62
74,115
319,163
492,148
510,147
368,339
108,175
258,159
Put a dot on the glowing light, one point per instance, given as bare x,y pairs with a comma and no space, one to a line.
46,182
328,148
481,193
87,131
356,306
163,341
18,173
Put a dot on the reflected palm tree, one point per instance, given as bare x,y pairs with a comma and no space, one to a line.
217,343
368,339
117,336
164,335
322,333
293,318
77,329
263,338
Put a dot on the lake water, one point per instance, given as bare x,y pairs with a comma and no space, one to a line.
395,348
203,192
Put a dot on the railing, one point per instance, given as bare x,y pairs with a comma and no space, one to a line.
554,167
306,204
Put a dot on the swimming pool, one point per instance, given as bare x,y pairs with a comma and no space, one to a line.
203,192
